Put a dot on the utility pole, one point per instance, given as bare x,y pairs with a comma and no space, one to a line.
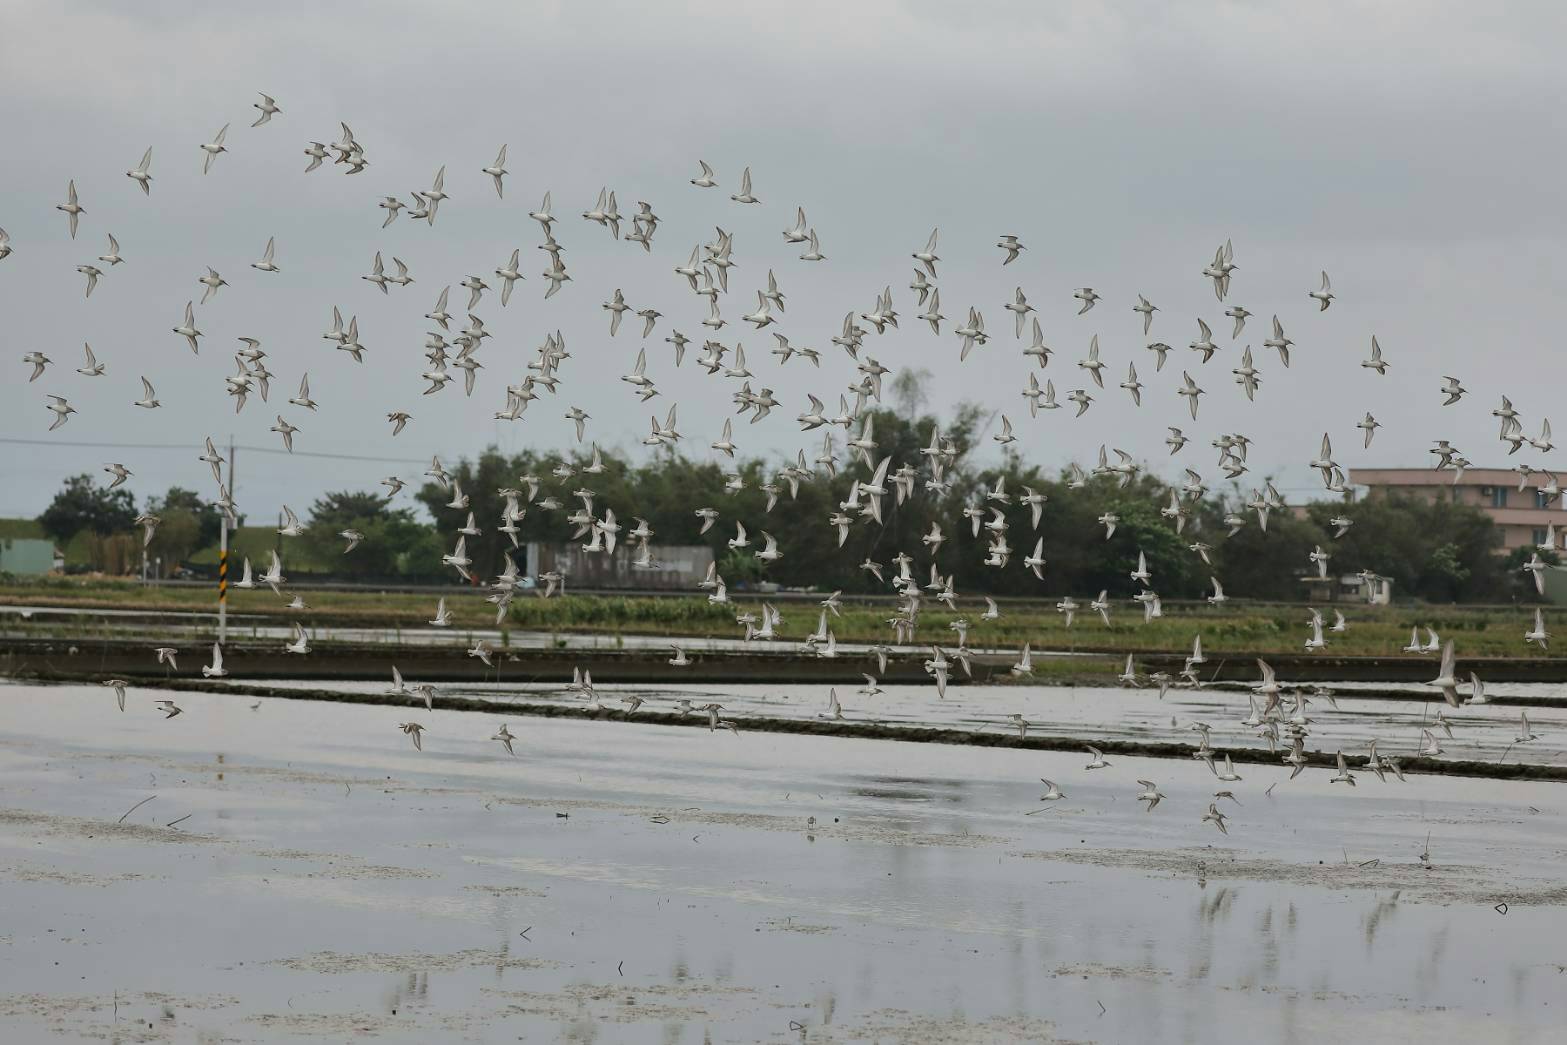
223,557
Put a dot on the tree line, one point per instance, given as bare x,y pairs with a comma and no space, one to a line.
1438,552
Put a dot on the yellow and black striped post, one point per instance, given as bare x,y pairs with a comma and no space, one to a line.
223,591
223,558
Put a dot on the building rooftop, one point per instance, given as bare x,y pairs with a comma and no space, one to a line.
1442,477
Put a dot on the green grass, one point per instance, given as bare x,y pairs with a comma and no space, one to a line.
1236,629
21,529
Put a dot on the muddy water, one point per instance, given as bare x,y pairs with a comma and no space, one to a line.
328,882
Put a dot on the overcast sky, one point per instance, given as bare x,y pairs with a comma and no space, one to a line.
1413,150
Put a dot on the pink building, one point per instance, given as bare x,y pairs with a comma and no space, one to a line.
1523,516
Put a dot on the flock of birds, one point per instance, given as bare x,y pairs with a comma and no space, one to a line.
706,273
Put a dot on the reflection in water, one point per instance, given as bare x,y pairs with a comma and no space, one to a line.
1269,944
1218,905
827,1005
407,991
976,911
1380,911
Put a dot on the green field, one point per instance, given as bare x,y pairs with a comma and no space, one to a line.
1236,628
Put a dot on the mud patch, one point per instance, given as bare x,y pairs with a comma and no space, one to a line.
861,830
896,1025
342,865
1100,970
620,1004
361,872
506,890
55,877
128,1017
789,925
339,1026
333,962
54,825
1442,884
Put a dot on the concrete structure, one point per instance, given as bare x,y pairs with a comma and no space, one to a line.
1523,516
681,565
27,557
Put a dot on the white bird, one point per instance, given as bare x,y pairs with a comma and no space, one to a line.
301,644
112,258
118,685
443,616
291,526
1324,295
1204,344
212,149
266,264
1132,385
744,195
705,180
1150,793
268,107
510,275
92,273
814,252
287,431
1376,362
497,171
73,209
928,256
149,399
1147,309
1098,757
1190,390
1279,342
274,578
1446,678
215,669
1238,314
212,281
141,174
302,399
1538,635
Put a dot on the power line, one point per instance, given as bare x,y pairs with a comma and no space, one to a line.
412,458
189,446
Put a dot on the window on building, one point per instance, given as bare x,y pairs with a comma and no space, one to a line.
1498,497
1542,499
1538,536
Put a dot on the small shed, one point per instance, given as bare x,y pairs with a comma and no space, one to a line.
1349,587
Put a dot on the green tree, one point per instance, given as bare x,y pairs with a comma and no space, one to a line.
81,505
1435,551
1440,551
395,544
